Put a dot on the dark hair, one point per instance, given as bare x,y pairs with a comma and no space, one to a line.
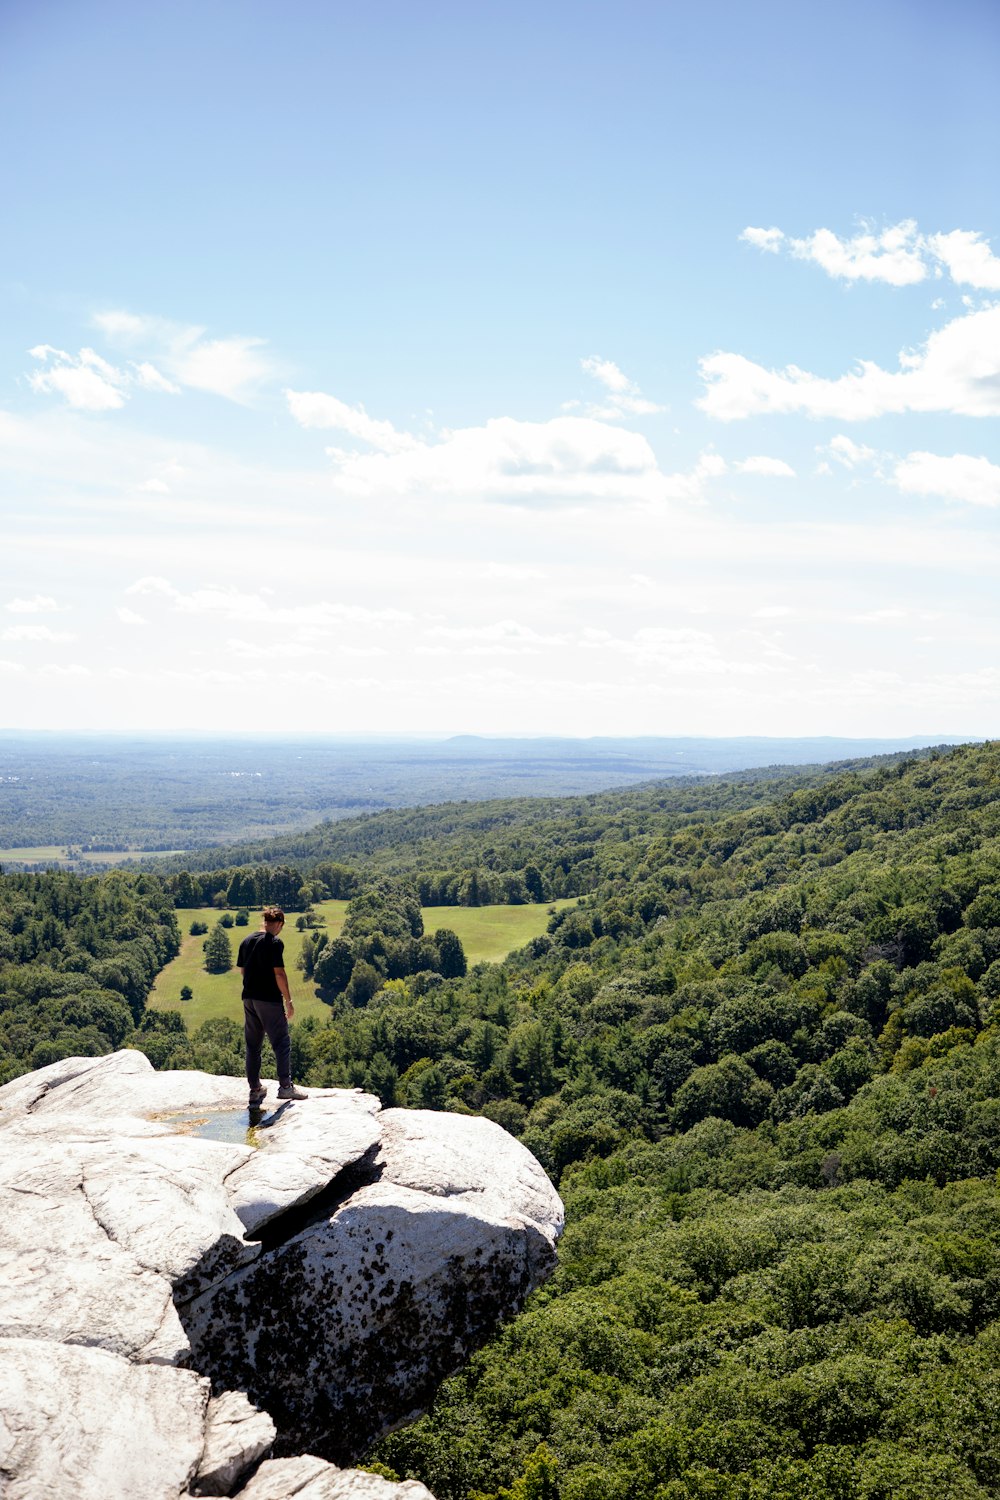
273,914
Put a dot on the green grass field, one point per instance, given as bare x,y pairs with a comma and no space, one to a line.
487,933
56,854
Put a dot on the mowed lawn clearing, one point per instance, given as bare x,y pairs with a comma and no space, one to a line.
487,933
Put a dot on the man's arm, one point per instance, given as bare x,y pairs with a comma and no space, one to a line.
281,979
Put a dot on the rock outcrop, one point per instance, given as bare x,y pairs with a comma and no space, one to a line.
184,1296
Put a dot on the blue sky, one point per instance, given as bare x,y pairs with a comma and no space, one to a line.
500,368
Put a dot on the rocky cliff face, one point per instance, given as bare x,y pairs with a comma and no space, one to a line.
183,1295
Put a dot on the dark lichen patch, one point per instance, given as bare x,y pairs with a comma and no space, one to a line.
332,1333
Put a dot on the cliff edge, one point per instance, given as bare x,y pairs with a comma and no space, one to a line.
186,1296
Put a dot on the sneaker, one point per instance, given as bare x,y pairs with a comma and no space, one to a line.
257,1096
289,1091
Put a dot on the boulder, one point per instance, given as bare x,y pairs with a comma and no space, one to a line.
300,1285
312,1479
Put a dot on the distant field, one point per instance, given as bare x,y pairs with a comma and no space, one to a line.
55,854
487,933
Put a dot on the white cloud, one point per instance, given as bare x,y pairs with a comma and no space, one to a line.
607,373
502,638
231,604
513,572
233,367
895,256
624,397
271,650
773,612
959,477
968,257
87,381
681,652
10,668
316,409
848,454
567,459
899,255
38,604
35,633
884,616
129,616
764,239
150,379
772,468
957,370
226,367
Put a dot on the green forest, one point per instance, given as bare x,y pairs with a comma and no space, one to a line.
760,1060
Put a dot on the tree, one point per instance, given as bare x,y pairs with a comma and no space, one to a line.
334,966
187,993
186,893
365,981
451,954
218,951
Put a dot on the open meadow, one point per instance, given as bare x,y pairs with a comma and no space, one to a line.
62,855
487,933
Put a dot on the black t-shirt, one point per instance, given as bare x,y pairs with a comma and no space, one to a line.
260,954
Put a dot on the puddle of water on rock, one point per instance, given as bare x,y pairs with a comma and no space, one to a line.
227,1125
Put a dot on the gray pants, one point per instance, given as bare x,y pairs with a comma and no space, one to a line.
266,1018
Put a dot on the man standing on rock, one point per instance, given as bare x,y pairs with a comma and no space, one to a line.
267,1005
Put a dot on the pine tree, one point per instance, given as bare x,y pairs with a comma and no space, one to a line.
218,950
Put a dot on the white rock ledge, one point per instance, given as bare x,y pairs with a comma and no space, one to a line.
182,1296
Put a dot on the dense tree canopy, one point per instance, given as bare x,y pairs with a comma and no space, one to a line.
78,956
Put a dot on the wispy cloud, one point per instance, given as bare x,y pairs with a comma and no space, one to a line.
234,604
38,604
957,370
623,397
231,366
317,409
35,633
849,454
769,468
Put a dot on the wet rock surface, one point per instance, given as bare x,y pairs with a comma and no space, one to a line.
185,1295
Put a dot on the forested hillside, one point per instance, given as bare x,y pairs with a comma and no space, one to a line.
475,853
78,956
762,1061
